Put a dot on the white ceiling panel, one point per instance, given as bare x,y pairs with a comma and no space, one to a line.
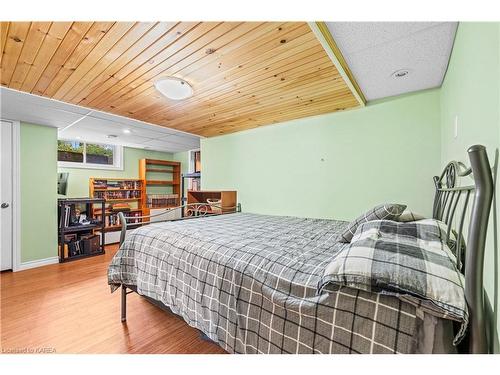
24,107
93,126
180,139
135,123
375,50
163,143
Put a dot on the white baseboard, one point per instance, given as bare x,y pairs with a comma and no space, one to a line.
37,263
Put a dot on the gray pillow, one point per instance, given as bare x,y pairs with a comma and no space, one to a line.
387,211
408,216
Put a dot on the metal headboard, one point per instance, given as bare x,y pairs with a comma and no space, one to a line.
449,196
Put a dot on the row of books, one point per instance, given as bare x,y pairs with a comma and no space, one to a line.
162,200
111,184
122,194
114,220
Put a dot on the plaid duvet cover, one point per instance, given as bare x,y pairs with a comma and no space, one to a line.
249,282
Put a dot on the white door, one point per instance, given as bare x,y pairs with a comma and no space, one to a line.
6,195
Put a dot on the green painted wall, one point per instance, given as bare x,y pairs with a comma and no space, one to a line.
335,165
78,179
38,192
471,91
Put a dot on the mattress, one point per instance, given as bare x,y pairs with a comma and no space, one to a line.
250,283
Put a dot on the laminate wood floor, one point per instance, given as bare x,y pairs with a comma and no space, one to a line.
68,308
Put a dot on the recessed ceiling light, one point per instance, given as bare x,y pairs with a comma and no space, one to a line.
400,73
174,88
126,131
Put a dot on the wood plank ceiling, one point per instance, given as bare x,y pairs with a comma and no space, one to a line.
244,75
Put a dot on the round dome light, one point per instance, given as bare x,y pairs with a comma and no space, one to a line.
174,88
400,73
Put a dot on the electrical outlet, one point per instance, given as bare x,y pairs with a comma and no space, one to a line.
455,127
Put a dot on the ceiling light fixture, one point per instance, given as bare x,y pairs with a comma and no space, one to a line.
126,131
174,88
400,73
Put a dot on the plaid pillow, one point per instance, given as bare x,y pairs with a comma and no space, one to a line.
388,211
409,260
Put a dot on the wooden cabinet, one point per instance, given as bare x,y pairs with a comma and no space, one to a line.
228,198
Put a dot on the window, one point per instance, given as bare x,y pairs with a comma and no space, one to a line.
77,154
70,151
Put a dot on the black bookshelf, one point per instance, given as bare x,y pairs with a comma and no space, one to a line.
79,236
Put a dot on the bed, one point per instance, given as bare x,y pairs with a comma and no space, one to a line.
251,283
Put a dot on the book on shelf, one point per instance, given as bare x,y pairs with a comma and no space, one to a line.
116,184
113,219
121,194
162,200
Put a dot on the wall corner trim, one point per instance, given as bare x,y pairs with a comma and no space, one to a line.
37,263
320,29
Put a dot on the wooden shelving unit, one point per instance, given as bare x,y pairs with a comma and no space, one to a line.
160,174
114,191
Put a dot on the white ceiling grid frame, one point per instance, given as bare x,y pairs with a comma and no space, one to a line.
375,50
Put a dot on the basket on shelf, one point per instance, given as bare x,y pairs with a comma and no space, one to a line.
215,205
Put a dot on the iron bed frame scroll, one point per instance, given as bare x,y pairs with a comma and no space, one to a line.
446,206
470,258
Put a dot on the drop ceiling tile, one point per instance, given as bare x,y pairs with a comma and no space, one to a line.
424,53
13,97
40,116
353,37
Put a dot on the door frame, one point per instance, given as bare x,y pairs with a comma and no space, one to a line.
16,194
